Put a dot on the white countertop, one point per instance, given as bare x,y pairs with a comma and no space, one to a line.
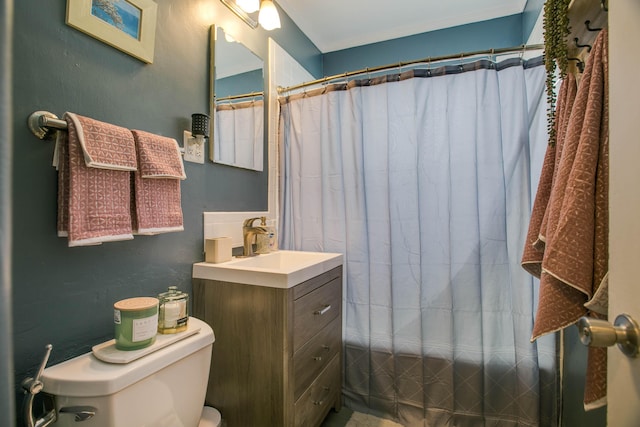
280,269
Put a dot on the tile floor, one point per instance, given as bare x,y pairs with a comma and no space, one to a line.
337,419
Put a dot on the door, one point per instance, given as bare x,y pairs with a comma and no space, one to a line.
623,378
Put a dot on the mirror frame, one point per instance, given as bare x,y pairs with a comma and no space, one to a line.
212,86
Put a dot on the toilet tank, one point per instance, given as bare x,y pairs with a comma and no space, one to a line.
165,388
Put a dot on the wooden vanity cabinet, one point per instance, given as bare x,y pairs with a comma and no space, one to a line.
277,356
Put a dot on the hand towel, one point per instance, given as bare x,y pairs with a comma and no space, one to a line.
104,146
156,204
95,162
575,259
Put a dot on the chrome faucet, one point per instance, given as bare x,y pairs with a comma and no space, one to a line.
249,233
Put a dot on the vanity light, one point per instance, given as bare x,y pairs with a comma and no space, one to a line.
249,6
268,16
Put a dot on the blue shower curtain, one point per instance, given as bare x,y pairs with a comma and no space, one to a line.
425,185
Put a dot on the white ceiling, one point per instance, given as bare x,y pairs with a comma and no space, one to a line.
339,24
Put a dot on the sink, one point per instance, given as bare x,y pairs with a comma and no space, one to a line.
280,269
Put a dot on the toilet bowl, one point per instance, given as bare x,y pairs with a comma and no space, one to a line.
164,388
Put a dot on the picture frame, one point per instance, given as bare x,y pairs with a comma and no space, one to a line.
127,25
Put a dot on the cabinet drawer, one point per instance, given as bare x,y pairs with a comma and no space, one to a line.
318,398
315,355
315,310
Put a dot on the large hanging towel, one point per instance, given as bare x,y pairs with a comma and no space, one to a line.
534,248
570,251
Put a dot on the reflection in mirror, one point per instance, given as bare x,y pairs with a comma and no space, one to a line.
237,136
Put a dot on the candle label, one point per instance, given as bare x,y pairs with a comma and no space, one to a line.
144,328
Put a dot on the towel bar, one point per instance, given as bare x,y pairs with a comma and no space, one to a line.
44,125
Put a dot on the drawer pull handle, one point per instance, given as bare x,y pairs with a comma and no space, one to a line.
318,358
323,311
320,402
326,348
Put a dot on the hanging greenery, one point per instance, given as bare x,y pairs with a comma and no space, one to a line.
556,29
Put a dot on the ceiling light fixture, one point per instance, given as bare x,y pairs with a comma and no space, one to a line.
268,16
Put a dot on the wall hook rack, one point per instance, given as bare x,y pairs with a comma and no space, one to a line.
579,63
578,45
587,23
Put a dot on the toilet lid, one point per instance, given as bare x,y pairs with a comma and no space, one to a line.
210,417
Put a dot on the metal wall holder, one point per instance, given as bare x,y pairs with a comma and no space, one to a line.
44,125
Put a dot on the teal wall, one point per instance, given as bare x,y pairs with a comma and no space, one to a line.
251,81
495,33
64,296
573,382
529,17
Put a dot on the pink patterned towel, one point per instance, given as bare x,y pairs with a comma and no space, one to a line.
93,201
104,146
156,202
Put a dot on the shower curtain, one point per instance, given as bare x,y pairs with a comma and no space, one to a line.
238,134
424,181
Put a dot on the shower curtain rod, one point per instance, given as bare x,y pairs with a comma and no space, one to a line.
499,51
244,95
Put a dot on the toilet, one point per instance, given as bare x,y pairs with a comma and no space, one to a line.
163,388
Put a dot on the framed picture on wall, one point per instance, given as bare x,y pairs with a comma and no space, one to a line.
127,25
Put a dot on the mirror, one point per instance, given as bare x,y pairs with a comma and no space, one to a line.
237,103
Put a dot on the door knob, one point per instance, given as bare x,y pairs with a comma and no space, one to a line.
600,333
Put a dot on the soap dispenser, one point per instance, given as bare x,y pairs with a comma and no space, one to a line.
262,239
273,239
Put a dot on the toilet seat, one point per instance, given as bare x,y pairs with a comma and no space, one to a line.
210,417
